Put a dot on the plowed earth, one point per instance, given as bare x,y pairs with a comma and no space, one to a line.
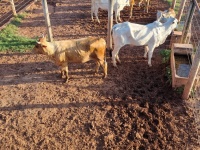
134,108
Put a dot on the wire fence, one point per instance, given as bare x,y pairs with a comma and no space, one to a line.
194,39
6,9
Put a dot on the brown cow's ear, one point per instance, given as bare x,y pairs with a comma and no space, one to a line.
42,35
45,38
44,46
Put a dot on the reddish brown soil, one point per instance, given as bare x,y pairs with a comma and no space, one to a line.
134,108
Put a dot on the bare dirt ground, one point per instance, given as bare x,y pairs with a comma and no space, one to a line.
134,108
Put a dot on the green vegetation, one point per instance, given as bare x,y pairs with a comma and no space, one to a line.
166,59
177,6
169,75
180,89
165,55
193,92
11,41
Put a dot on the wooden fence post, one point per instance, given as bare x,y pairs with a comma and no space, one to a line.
192,76
180,11
173,4
47,20
13,7
110,24
188,22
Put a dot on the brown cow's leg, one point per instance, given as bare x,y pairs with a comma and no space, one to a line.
63,74
97,67
105,67
131,11
67,76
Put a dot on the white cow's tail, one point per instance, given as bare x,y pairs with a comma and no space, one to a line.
114,28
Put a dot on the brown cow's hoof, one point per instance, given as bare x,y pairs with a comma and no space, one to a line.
63,76
66,81
104,76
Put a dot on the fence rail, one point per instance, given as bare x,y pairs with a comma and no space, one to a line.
190,16
7,14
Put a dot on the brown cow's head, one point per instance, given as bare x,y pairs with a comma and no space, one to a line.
40,47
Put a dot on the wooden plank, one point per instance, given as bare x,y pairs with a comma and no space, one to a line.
183,46
175,37
173,4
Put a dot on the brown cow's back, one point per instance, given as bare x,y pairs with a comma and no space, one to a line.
76,51
84,49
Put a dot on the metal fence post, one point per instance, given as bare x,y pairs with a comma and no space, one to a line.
188,21
47,20
180,11
110,24
13,8
192,76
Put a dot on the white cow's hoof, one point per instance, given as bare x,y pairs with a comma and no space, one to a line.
115,65
119,62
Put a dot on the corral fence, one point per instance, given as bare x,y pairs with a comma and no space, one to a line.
189,26
189,17
188,14
10,8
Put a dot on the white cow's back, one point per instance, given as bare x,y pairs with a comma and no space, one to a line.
104,4
134,34
118,5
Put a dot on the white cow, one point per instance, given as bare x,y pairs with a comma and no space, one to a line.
151,36
118,5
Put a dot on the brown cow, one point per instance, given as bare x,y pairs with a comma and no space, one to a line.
75,50
138,2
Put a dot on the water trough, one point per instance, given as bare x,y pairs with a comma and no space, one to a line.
181,61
